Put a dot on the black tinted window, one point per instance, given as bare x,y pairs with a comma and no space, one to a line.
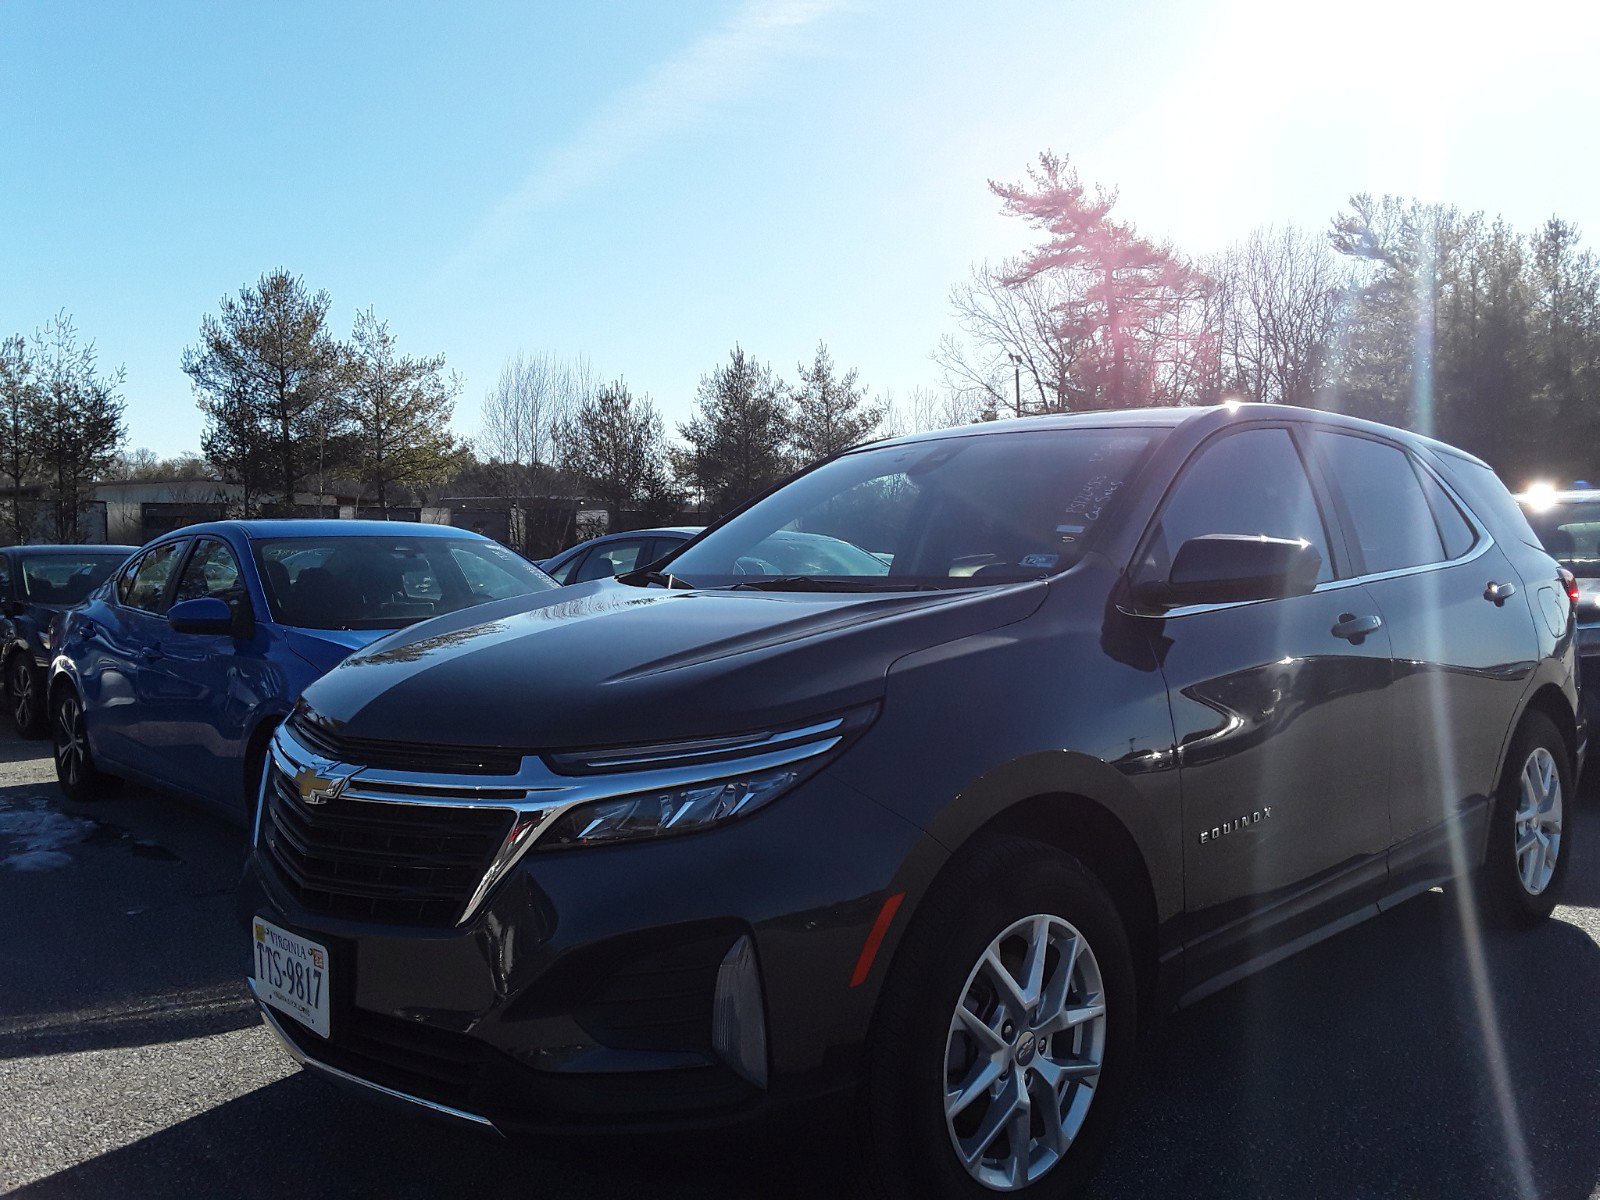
1454,528
947,512
1252,483
1394,527
1488,498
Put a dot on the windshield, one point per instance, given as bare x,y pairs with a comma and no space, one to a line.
955,512
386,582
1570,531
65,578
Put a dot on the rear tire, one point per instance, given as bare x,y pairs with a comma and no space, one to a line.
1530,828
80,779
25,695
948,1058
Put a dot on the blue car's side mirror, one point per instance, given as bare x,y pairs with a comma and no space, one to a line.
207,614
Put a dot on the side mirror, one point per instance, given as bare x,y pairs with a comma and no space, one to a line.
1230,568
207,614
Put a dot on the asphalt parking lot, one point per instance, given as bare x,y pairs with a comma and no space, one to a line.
1404,1058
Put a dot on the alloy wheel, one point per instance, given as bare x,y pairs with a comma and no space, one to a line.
1537,824
1024,1052
72,748
22,694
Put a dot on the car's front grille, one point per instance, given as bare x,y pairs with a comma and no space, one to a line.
368,859
401,756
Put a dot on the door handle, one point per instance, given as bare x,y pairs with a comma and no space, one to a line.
149,654
1498,593
1354,629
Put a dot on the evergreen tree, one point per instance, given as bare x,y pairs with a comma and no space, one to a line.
399,408
613,442
18,454
268,375
74,418
738,439
830,412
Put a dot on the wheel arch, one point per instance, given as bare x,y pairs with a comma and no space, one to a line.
1550,700
255,756
1084,807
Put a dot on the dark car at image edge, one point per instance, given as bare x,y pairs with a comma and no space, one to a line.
1143,701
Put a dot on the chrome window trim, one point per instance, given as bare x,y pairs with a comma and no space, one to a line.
545,796
1480,546
270,1020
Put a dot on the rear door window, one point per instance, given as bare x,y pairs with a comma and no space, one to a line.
614,558
1251,482
1393,525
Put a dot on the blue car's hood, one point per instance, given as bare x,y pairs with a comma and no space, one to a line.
325,649
606,663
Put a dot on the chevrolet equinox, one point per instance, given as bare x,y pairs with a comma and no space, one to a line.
1107,711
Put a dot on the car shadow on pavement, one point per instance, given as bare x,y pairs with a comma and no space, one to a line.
1384,1062
303,1137
118,925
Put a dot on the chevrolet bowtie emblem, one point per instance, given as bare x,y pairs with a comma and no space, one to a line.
315,788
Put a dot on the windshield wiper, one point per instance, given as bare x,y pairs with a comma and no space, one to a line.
828,583
644,575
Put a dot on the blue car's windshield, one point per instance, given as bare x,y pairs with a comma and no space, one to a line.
952,512
65,579
386,582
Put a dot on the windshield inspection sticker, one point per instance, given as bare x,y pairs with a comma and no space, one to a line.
1042,561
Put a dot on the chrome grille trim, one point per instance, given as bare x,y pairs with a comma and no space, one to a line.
536,794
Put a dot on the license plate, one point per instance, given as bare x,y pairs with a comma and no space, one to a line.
291,974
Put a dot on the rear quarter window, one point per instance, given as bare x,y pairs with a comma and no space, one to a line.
1489,498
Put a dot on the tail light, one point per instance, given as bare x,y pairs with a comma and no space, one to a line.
1570,582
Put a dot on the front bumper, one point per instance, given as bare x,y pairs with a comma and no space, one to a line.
579,995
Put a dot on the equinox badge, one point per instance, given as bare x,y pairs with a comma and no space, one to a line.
1227,827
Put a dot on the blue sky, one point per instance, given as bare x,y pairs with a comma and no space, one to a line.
648,183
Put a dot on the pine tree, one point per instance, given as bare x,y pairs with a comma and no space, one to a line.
268,375
18,453
74,418
613,442
738,439
830,412
399,408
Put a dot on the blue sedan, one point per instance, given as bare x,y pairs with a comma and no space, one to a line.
176,671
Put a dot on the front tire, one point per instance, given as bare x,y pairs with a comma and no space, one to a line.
80,779
25,696
1530,828
1003,1046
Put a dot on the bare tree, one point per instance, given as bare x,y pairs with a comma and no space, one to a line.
926,409
529,406
1275,312
1015,356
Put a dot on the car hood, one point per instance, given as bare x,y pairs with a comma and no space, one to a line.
325,649
609,664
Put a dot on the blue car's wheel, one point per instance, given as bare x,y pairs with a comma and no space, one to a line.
80,779
25,695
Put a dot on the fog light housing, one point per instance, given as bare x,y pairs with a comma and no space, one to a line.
738,1019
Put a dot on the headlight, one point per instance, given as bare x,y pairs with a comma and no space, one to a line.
697,783
675,810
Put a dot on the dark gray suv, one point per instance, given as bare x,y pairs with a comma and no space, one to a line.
1110,710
